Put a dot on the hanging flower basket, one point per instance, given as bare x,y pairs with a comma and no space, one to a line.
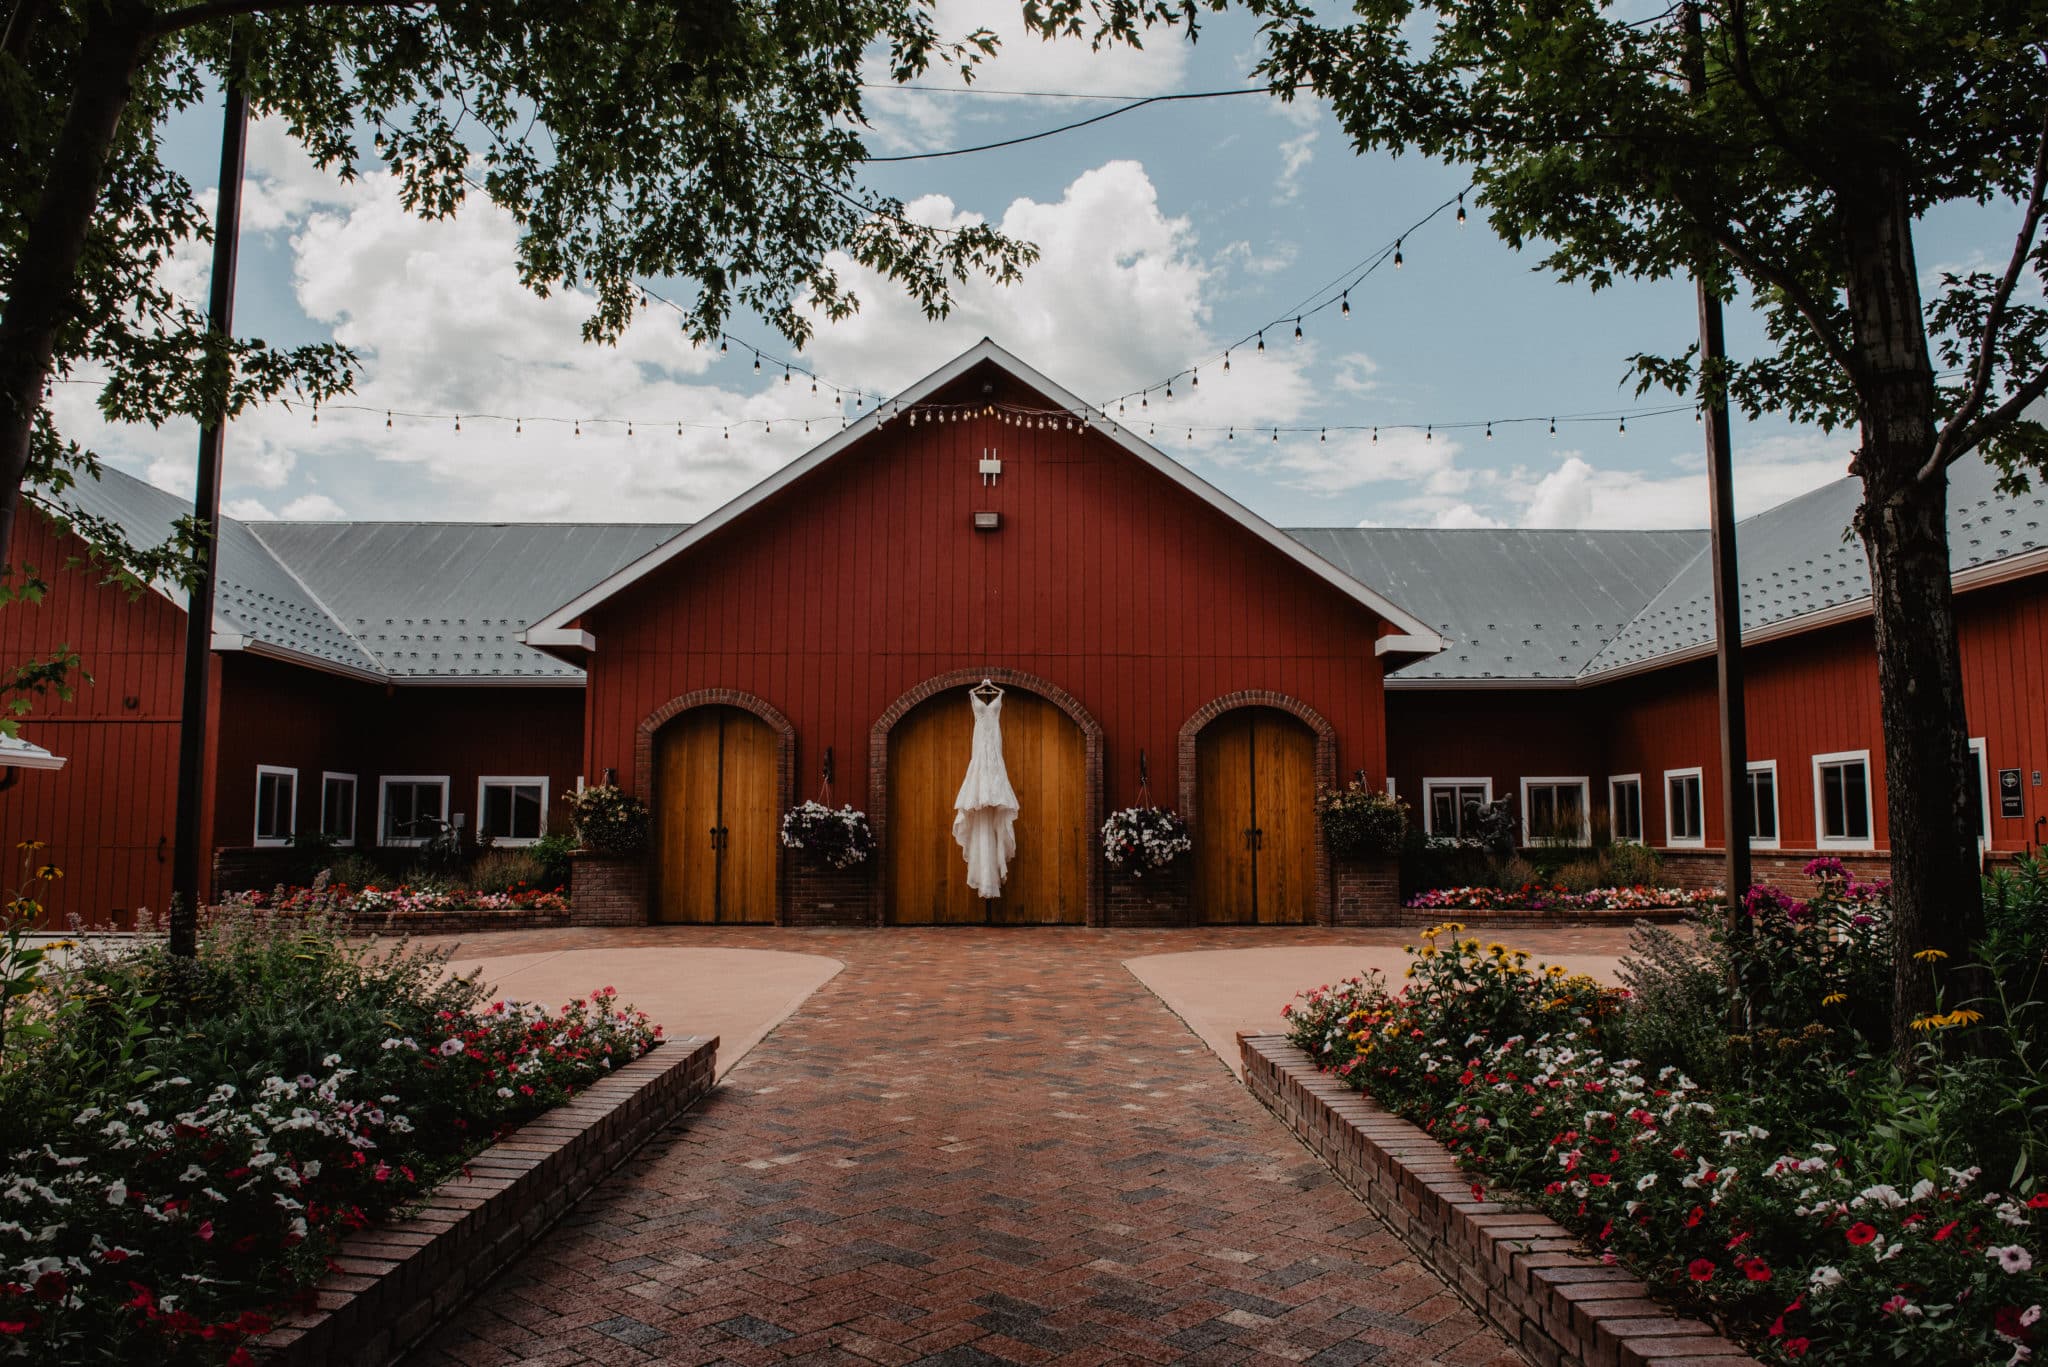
1360,822
1141,840
609,820
837,839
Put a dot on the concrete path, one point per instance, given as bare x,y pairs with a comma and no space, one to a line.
1220,992
738,995
970,1148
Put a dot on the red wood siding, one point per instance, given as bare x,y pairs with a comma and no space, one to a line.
107,815
1504,735
867,578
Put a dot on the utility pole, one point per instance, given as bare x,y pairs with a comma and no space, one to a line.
188,856
1735,805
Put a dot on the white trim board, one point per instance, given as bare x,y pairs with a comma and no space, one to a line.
1410,635
1698,842
1821,839
1776,838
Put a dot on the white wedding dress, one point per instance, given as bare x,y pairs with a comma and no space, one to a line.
985,812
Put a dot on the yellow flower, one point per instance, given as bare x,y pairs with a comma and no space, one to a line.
1834,999
1928,956
1962,1015
1556,970
1926,1023
50,871
1410,973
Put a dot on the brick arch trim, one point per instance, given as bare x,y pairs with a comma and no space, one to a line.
1092,762
1326,765
785,764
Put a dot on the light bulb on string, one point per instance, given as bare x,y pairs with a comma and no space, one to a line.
757,361
458,422
387,417
1325,436
1233,435
1553,427
1194,377
1375,436
1345,307
1144,402
629,429
1262,339
316,415
1397,253
518,426
814,384
785,374
679,429
1191,434
1276,434
1622,427
1489,431
1151,429
807,427
1297,329
1699,413
1226,361
1169,389
579,427
1429,433
721,343
728,434
1461,208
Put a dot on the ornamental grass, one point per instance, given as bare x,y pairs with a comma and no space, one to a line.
188,1141
1730,1126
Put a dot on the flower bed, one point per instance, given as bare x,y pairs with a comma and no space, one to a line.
339,899
1553,897
187,1143
1809,1198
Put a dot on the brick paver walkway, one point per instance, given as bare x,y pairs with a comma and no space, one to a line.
971,1147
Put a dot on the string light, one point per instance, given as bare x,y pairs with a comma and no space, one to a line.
1429,433
519,425
1461,208
458,422
1489,431
1397,253
757,361
1553,427
1297,329
1276,434
1262,339
629,429
1622,427
1346,309
387,417
1194,379
316,414
1326,434
1226,361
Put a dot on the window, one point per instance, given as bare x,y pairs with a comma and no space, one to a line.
411,808
1685,823
1449,805
511,811
1625,806
338,808
1763,804
1980,810
277,804
1554,811
1841,795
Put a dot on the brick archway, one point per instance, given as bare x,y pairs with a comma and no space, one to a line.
785,761
878,765
1326,764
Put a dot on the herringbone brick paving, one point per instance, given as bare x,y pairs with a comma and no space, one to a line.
972,1147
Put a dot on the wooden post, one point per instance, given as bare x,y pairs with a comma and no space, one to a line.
189,855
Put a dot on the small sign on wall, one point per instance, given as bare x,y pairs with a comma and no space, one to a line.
2012,799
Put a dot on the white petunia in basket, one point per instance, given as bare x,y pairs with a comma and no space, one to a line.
1142,840
840,839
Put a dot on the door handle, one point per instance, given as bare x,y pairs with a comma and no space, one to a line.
1258,838
715,844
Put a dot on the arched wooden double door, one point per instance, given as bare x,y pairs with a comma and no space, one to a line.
1255,818
715,772
1046,755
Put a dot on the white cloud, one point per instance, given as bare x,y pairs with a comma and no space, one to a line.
1579,494
1463,515
314,508
1295,155
248,509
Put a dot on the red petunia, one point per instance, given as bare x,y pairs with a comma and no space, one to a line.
1796,1348
1694,1216
1860,1233
1757,1270
1702,1270
2038,1201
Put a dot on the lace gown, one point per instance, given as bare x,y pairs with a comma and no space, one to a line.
985,812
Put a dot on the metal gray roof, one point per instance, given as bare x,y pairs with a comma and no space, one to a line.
447,600
256,597
1515,605
1794,561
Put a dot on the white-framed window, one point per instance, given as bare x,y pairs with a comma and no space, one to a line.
1685,813
1390,786
1449,804
1982,807
1557,809
338,807
277,805
1625,807
511,811
1841,801
411,808
1763,804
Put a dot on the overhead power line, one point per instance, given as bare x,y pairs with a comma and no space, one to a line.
1138,103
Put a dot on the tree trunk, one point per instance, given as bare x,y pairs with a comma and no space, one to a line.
1937,900
42,292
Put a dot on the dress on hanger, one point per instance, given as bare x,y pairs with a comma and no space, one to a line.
985,812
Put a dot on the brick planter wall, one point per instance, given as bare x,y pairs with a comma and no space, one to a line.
1368,891
393,1283
1160,898
1781,868
820,895
1558,1303
253,869
608,890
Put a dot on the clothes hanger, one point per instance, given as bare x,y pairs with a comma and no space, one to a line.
986,689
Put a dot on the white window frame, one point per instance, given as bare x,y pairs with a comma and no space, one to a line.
1697,842
1983,754
1757,842
1821,838
1583,782
355,793
1614,781
384,782
489,781
1429,796
256,836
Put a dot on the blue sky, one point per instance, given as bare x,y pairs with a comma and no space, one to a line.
1167,232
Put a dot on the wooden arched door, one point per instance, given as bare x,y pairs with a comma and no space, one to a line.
715,820
1046,755
1255,818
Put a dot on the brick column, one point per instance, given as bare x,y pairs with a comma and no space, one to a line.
608,890
1160,898
1368,891
820,895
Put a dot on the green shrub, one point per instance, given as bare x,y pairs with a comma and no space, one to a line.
1628,864
506,870
609,820
1516,872
1581,875
552,853
354,870
1679,1004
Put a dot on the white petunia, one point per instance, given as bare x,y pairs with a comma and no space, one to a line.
2012,1258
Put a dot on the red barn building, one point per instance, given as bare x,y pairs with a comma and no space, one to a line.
1152,636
